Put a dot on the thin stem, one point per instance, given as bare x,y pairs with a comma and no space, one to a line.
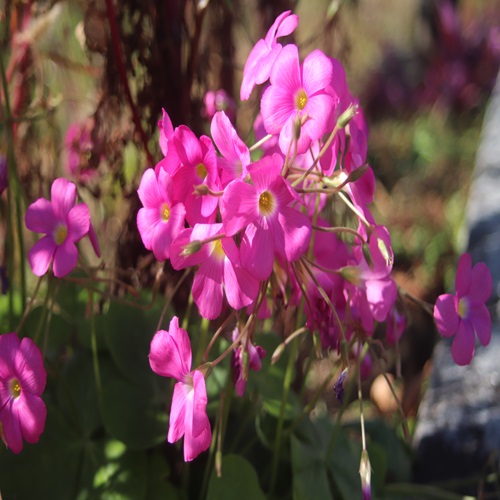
172,295
339,229
30,305
259,143
216,334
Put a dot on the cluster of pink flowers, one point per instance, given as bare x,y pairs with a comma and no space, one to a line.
267,223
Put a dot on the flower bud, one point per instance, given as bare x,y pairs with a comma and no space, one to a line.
350,274
278,353
201,190
365,471
206,369
297,125
191,248
347,116
3,173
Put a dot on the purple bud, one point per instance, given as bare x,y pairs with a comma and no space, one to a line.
3,173
338,387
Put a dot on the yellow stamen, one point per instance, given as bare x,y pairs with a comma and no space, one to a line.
15,388
165,212
463,307
217,250
301,99
201,170
266,203
60,234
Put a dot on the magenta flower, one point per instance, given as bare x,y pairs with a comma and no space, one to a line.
22,381
220,270
264,53
271,225
170,356
465,314
299,93
63,224
160,220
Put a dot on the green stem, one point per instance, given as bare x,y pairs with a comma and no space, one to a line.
421,491
279,431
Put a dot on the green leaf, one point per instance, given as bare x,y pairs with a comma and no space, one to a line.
238,480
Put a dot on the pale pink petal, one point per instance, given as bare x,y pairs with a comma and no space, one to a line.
11,427
316,72
40,217
239,206
464,274
462,349
446,315
78,222
240,286
284,25
170,352
381,295
9,345
258,52
29,367
296,231
480,318
63,197
277,108
177,416
257,251
65,259
187,146
286,70
481,284
198,434
149,191
41,255
207,288
31,412
147,220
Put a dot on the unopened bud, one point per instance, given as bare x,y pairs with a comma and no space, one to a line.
277,353
347,116
365,471
191,248
218,463
367,255
245,363
357,173
3,173
350,274
201,190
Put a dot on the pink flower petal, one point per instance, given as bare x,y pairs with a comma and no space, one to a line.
239,206
284,25
176,427
286,70
207,288
40,217
11,427
277,108
257,251
296,231
265,171
316,72
481,284
9,345
170,352
480,318
31,412
63,197
65,259
78,222
93,240
462,349
446,315
149,191
240,286
29,367
147,220
187,146
41,255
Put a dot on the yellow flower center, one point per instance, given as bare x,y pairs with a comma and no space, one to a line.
217,250
201,170
15,388
60,234
165,212
266,203
301,99
463,307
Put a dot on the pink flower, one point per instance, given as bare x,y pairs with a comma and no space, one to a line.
22,381
160,220
63,223
465,314
220,270
271,225
264,53
170,356
218,100
298,93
